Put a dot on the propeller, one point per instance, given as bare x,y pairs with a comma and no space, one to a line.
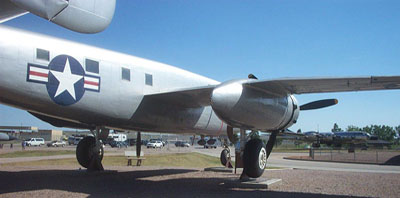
251,76
318,104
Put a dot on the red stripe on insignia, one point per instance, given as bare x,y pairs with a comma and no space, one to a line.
91,83
38,74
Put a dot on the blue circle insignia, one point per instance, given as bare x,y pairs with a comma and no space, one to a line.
65,80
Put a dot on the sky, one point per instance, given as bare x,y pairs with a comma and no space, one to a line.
225,40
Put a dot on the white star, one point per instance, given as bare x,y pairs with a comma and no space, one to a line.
67,80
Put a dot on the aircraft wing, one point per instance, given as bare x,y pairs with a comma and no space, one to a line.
201,96
324,85
9,11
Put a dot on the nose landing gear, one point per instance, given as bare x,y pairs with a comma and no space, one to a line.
90,151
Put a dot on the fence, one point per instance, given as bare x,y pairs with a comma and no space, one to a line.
375,156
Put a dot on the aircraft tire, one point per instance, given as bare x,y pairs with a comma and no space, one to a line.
85,149
224,157
254,158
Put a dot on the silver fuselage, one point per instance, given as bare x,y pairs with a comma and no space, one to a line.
117,103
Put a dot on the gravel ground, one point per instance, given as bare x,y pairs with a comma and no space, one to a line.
178,182
69,181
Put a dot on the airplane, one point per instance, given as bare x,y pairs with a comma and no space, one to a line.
4,137
88,16
68,84
336,139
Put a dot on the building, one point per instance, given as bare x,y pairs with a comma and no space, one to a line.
47,135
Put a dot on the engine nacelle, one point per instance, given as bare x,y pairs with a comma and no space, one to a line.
85,16
246,107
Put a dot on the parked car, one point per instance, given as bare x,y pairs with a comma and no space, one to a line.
163,142
56,144
211,143
71,140
144,142
182,144
131,142
77,140
118,144
34,142
154,144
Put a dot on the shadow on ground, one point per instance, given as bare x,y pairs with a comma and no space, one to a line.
132,184
393,161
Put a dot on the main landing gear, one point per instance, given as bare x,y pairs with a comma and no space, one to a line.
90,151
225,156
253,154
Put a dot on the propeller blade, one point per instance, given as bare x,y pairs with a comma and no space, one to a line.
251,76
318,104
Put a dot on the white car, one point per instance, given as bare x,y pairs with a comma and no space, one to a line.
56,144
154,144
34,142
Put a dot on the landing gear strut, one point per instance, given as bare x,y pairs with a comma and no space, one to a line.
89,151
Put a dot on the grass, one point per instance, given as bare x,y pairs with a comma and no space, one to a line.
194,160
188,160
35,153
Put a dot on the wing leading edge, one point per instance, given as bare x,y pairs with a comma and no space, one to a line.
201,96
325,85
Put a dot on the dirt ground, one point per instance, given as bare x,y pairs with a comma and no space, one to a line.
181,182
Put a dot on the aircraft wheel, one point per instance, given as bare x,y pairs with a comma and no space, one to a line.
254,158
224,157
85,151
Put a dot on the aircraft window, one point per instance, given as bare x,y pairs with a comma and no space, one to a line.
42,54
126,74
149,79
92,66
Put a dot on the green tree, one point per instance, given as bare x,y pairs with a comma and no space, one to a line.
383,132
353,128
299,131
336,128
